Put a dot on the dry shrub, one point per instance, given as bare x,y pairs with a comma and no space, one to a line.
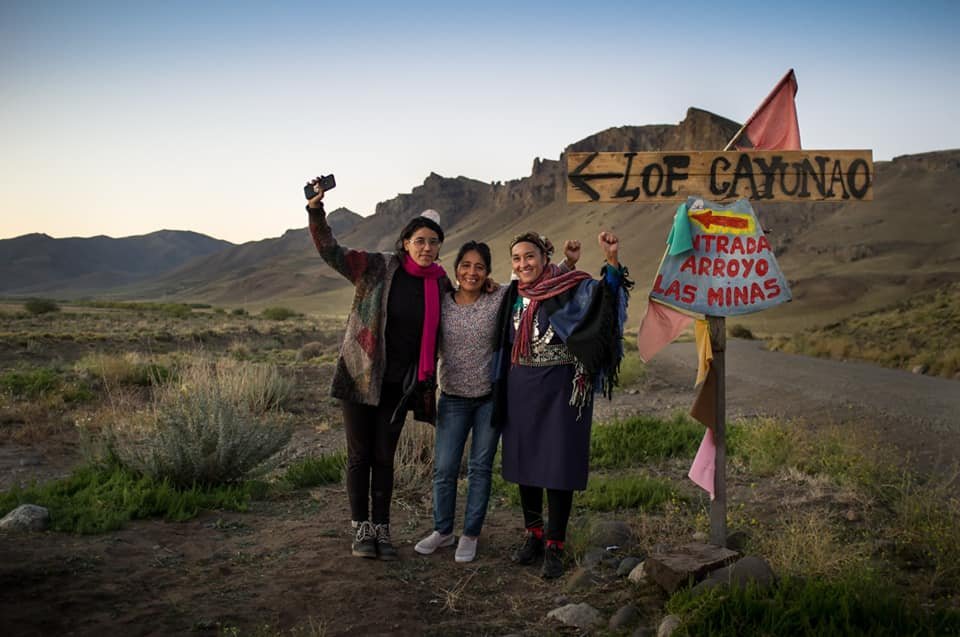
129,368
258,387
413,462
219,424
809,543
311,350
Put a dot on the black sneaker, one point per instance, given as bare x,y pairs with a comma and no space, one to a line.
552,563
365,541
385,548
529,551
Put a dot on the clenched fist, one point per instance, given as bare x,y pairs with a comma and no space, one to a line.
610,244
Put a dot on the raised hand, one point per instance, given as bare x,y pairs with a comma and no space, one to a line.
610,244
314,202
571,252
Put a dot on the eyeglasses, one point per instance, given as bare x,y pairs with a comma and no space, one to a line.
420,242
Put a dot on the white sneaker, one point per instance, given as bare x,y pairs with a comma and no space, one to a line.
466,549
432,542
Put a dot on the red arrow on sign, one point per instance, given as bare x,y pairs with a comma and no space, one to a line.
707,218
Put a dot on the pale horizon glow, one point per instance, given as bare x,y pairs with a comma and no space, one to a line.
209,116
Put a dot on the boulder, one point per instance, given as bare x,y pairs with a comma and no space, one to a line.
583,616
626,565
624,617
669,624
26,517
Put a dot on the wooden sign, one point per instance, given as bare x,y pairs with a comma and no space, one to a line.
771,175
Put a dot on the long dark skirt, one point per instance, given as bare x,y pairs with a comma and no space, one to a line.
544,445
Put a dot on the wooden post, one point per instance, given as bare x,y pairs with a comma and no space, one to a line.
718,507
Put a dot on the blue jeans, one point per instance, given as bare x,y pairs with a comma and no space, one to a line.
457,417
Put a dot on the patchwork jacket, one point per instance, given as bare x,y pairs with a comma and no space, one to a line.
363,353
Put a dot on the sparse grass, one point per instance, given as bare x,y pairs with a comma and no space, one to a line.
858,604
95,499
627,443
612,493
810,543
316,471
31,383
925,529
632,369
919,331
767,446
129,368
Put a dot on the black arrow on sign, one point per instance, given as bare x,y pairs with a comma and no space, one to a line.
579,180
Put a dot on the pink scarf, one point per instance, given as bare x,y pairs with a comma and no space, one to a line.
550,283
431,312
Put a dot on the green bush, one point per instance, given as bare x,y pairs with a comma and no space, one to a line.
627,443
96,499
738,330
31,383
176,310
239,311
611,493
856,605
277,313
41,306
315,471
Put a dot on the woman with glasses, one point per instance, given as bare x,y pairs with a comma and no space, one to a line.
387,360
559,341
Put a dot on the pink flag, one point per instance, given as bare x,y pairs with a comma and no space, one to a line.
660,325
705,464
774,126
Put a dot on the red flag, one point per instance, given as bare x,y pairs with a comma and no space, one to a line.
774,126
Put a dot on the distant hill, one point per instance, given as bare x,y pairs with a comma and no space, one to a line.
40,264
841,258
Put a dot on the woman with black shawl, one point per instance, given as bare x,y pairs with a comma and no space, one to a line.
559,341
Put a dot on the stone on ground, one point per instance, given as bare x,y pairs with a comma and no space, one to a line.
686,564
624,617
583,616
26,517
669,624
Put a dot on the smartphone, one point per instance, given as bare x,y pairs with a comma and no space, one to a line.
326,182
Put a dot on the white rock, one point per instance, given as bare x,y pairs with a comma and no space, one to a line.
639,574
583,616
26,517
669,624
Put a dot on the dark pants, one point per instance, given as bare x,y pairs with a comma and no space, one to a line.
560,503
371,445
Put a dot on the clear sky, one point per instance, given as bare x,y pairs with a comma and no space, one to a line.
122,118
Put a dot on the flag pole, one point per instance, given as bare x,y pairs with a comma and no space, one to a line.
718,506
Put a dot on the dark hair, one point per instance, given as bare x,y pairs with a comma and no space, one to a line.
543,244
477,246
415,224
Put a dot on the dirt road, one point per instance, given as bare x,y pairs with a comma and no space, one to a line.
919,415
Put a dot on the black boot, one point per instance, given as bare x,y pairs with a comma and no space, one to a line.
529,551
385,548
365,541
552,563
